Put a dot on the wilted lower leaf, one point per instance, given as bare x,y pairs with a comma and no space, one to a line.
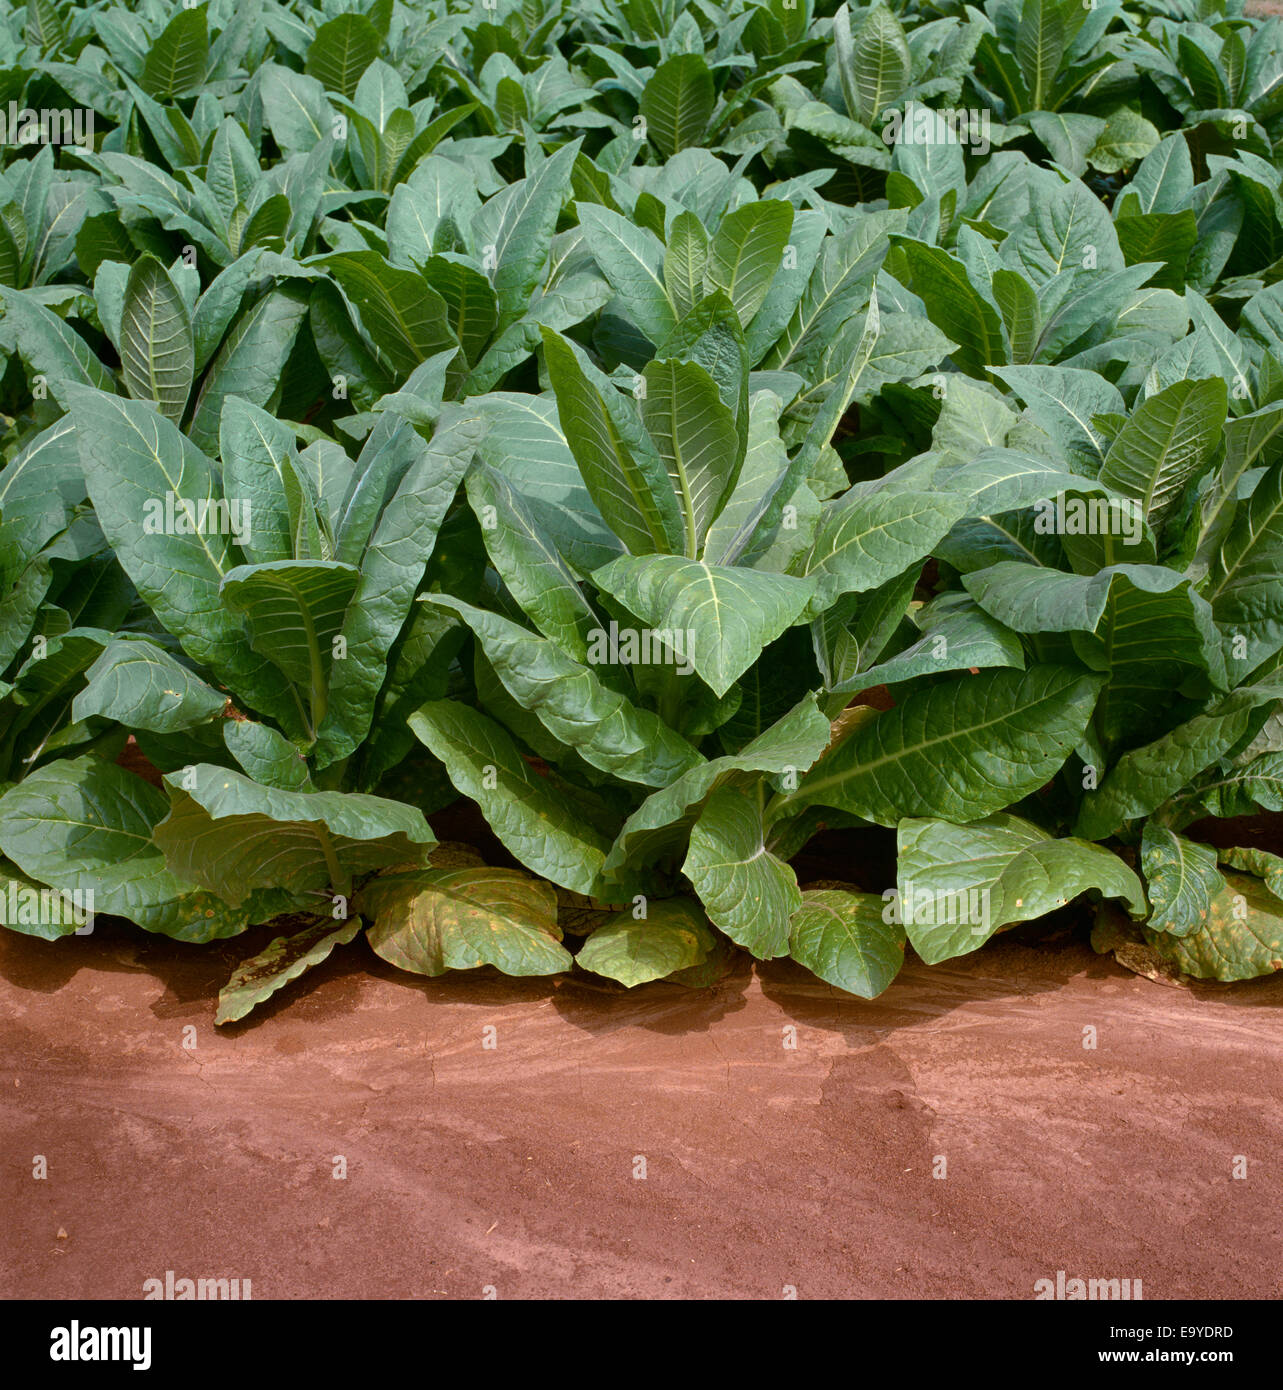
1242,938
435,920
1266,866
674,935
1181,878
285,959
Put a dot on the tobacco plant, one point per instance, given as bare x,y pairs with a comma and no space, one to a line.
676,430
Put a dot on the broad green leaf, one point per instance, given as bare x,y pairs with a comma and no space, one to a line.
1241,790
1127,138
1017,301
956,307
1069,136
525,443
419,664
407,320
865,540
697,440
624,476
673,935
632,259
873,61
961,748
1142,625
855,369
684,260
389,451
928,153
1070,230
710,337
49,346
747,892
293,611
341,51
854,633
1167,237
20,608
837,289
793,278
230,835
250,362
177,61
411,223
266,756
543,585
677,102
1165,177
1168,441
958,635
534,823
254,981
39,491
472,310
380,93
219,304
232,169
746,252
765,464
1002,480
391,572
720,617
436,920
658,825
516,227
1065,401
1246,578
573,704
141,471
958,884
86,825
1145,777
44,26
156,352
141,686
295,108
972,420
1181,879
1042,37
845,939
253,447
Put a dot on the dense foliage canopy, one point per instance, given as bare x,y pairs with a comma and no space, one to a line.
576,406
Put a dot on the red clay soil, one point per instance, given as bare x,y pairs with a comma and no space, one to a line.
766,1166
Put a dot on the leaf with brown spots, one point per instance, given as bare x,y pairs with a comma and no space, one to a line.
436,920
1243,937
285,959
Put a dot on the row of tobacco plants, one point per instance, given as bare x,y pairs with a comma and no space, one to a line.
578,407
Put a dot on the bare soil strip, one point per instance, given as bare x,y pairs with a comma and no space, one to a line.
766,1165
